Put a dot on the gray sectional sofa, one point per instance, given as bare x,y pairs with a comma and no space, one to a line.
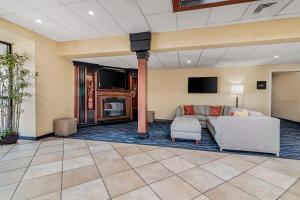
256,133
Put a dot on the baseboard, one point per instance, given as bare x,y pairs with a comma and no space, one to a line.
36,138
287,120
163,120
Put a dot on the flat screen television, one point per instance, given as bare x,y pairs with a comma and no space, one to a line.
203,85
111,79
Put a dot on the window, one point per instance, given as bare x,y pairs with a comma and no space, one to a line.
4,47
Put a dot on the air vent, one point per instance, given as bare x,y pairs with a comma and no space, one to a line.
260,7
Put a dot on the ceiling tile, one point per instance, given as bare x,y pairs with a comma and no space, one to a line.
162,22
293,7
266,12
131,60
154,62
41,3
82,9
108,27
62,15
86,31
121,9
58,33
238,53
192,19
9,6
71,1
169,59
134,25
106,61
20,21
267,50
189,58
155,6
227,13
209,57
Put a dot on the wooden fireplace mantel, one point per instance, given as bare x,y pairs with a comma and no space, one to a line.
103,94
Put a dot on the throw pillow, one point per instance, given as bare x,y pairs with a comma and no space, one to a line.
188,110
215,110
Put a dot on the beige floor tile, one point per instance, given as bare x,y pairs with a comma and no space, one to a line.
283,167
74,145
200,179
253,159
128,151
120,145
49,149
92,142
43,170
202,197
37,187
228,192
7,191
6,148
23,147
123,182
77,162
153,172
221,170
178,151
1,155
289,196
105,156
173,188
50,196
161,154
214,155
197,158
80,175
258,188
10,177
73,153
273,177
144,193
113,166
14,164
91,190
177,164
52,143
296,188
100,147
147,148
237,163
289,161
71,140
46,158
19,154
138,160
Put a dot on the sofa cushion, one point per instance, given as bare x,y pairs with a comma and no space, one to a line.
213,121
199,117
243,113
188,110
226,110
253,113
215,110
199,109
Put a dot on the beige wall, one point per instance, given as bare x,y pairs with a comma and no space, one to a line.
168,88
54,88
286,95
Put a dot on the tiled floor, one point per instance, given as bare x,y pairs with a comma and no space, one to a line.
70,169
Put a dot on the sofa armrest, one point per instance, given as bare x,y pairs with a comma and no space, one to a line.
178,111
259,133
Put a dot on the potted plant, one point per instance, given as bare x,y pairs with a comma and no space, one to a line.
14,80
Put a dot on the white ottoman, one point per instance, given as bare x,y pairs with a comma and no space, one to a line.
186,128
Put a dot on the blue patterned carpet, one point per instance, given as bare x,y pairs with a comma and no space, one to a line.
160,136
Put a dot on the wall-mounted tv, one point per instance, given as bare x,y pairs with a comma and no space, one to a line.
203,85
111,79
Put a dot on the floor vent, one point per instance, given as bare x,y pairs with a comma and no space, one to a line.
260,7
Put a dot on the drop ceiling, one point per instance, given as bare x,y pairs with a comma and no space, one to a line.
244,56
64,20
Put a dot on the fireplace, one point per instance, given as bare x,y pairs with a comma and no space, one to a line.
114,107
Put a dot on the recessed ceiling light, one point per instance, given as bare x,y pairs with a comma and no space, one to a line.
188,62
276,56
38,21
91,13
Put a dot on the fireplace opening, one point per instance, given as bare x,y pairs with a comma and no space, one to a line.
114,107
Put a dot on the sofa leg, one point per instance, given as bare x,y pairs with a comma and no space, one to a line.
173,139
277,154
221,149
197,141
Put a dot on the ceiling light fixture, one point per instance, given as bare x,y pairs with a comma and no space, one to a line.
91,13
188,62
38,21
276,57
